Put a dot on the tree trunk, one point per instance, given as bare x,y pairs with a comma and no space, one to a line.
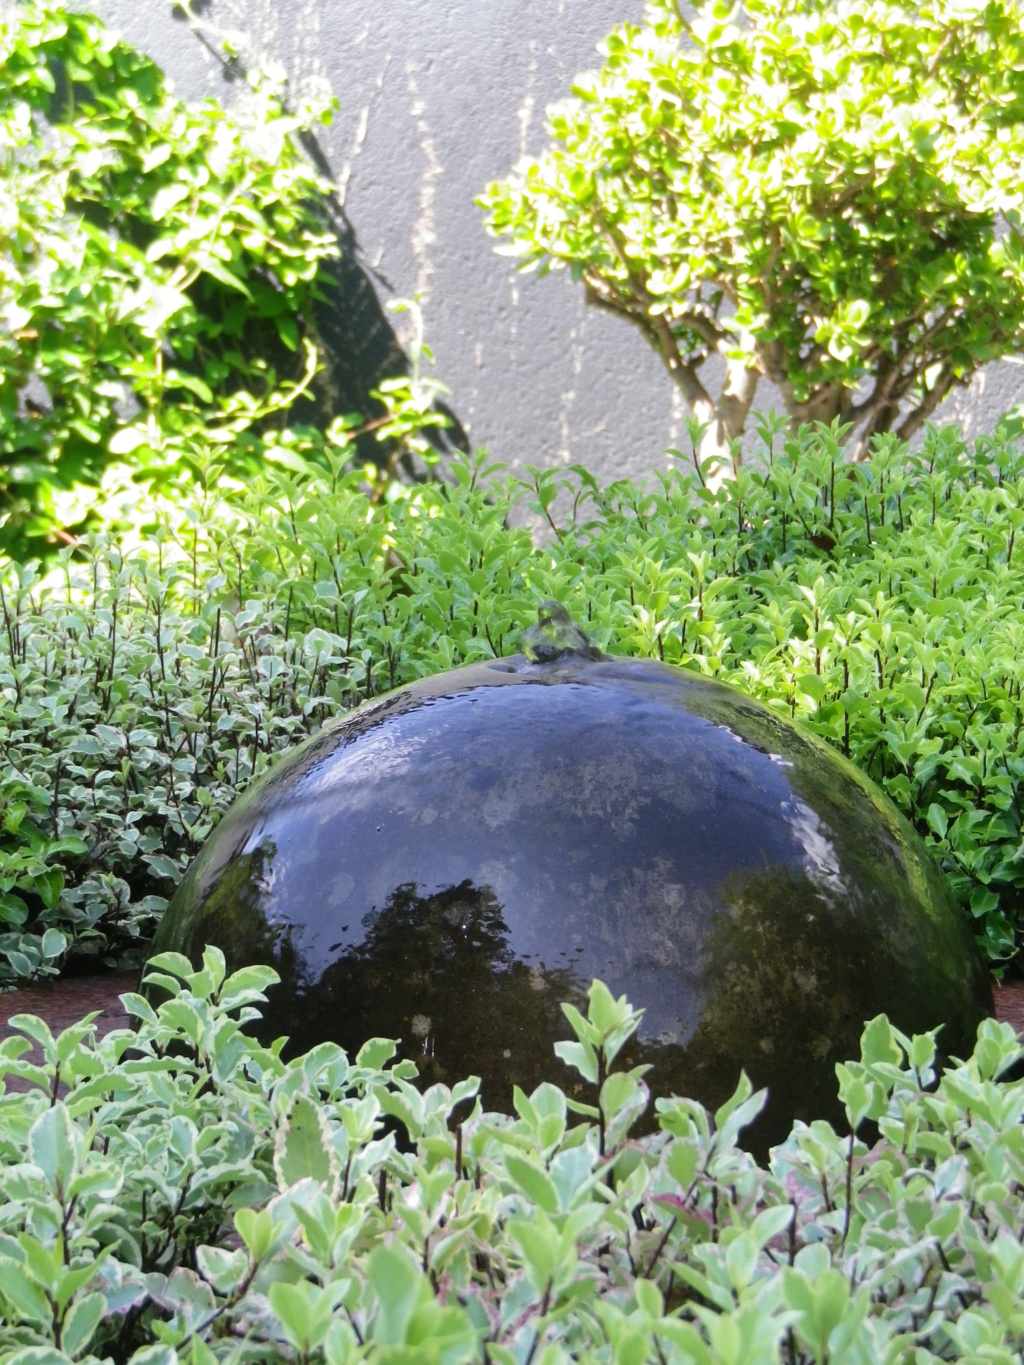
726,421
824,405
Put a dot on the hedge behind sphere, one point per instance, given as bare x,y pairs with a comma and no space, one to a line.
455,859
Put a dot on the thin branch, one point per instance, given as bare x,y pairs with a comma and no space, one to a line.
684,18
690,317
771,232
704,327
684,373
659,334
936,60
919,415
895,382
849,192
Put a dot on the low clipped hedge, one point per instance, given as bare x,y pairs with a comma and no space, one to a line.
148,673
181,1194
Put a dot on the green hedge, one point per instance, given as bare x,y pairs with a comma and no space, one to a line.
147,676
190,1198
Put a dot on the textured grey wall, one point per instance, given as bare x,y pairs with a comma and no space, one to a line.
437,98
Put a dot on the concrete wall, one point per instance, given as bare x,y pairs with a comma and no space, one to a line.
438,97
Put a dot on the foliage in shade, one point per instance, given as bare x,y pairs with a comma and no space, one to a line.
188,1198
160,264
822,195
146,678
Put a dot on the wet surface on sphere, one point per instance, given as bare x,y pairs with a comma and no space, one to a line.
452,861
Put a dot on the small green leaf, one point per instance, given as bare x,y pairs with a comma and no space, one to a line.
303,1148
22,1292
877,1043
54,1145
375,1053
580,1056
535,1182
54,943
81,1322
396,1283
41,1355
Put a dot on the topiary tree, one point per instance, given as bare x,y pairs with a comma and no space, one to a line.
822,194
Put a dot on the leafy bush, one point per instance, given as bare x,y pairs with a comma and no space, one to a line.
188,1196
142,685
160,267
823,195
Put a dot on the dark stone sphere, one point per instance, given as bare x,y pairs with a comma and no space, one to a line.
449,863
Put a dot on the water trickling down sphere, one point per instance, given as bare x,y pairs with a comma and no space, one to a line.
452,861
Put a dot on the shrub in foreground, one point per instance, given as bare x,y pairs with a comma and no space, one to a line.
182,1194
147,678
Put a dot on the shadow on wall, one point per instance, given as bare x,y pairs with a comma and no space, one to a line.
359,346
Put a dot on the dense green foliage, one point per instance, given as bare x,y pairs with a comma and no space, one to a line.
190,1197
180,1193
159,266
143,682
823,195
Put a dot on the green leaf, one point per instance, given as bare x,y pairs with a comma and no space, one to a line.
54,943
288,331
49,885
128,439
155,1355
541,1247
375,1053
303,1148
41,1355
739,1111
257,1230
22,1292
878,1044
215,267
55,1146
396,1283
938,820
535,1182
619,1088
581,1057
81,1322
291,1304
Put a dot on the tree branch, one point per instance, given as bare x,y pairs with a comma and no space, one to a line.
684,373
738,392
848,193
919,415
893,383
689,317
659,334
704,327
